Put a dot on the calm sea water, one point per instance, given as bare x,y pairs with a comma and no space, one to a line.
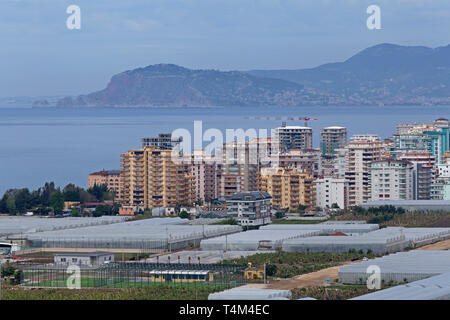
65,145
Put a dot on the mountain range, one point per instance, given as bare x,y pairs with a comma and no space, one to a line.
385,74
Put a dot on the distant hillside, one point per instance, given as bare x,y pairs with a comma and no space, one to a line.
171,85
384,73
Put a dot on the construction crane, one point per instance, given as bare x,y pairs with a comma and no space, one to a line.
283,119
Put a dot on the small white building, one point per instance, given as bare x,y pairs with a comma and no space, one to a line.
330,190
89,259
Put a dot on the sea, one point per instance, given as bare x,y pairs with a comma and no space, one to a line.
65,145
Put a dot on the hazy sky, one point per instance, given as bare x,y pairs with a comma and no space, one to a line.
40,56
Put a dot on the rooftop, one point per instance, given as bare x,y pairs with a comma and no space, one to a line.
84,254
250,196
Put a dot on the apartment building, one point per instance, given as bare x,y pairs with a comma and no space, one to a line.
391,180
152,179
204,171
110,178
250,208
294,137
164,141
308,160
424,172
360,154
365,138
288,187
332,138
238,168
332,191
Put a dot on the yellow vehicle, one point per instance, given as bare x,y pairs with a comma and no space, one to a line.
254,274
181,276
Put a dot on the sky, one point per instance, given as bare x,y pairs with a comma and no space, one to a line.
40,56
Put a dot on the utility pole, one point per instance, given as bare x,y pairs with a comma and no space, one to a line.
264,273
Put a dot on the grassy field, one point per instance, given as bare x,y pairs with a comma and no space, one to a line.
157,292
289,264
91,282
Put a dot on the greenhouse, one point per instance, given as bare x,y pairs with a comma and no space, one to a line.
206,257
433,288
145,235
386,240
325,227
343,244
135,275
255,240
416,236
17,225
399,267
251,294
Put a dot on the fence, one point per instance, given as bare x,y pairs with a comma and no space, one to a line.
137,275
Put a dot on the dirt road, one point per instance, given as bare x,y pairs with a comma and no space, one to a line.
312,279
442,245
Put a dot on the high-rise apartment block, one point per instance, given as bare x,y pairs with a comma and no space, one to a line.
332,138
360,154
238,167
294,137
391,180
152,179
289,188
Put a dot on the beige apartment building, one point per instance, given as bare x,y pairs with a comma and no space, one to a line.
203,169
359,156
288,187
151,179
110,178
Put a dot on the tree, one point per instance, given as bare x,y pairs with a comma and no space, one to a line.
46,192
271,269
184,214
23,200
72,193
335,206
18,276
279,215
57,202
102,210
11,205
98,191
3,206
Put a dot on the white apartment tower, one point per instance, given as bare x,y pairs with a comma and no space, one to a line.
332,191
391,180
360,154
